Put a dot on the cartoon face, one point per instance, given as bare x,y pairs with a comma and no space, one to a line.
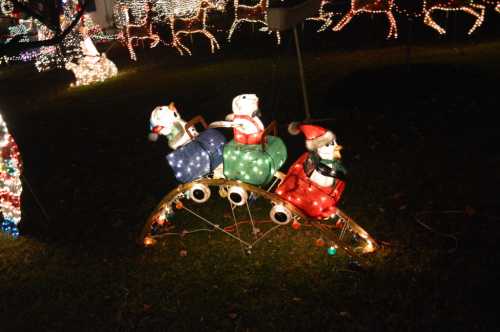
330,151
246,104
163,118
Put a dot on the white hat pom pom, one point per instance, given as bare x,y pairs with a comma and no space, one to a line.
294,128
153,137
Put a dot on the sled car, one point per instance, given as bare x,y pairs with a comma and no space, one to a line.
255,164
199,157
314,200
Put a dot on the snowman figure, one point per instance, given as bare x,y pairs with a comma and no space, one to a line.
248,127
166,121
323,165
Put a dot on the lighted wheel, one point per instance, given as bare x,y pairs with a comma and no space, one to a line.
252,216
280,214
199,193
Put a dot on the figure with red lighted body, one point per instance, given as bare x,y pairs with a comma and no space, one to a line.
245,121
315,181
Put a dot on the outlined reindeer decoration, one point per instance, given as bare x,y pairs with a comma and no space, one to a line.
192,25
467,6
251,14
373,7
135,32
323,16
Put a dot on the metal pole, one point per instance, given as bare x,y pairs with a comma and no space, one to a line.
301,72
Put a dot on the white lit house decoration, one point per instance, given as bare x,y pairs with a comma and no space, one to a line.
371,7
176,8
10,181
306,196
467,6
92,67
251,14
196,24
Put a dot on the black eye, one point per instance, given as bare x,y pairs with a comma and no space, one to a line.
176,115
244,97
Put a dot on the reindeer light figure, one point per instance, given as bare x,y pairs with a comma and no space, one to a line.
373,7
137,32
467,6
323,16
192,25
251,14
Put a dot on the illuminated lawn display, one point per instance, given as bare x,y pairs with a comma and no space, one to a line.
348,184
306,195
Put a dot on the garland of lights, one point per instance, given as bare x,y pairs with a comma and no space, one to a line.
372,7
10,181
251,14
467,6
192,25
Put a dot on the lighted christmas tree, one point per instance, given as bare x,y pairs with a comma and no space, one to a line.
10,181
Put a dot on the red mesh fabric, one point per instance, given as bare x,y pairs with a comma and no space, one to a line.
314,200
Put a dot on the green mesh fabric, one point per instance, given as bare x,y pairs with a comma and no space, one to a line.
250,164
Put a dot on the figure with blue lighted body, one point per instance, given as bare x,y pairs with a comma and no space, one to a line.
253,156
195,155
315,181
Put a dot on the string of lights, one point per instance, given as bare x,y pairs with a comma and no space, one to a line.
138,30
371,7
251,14
467,6
324,16
192,25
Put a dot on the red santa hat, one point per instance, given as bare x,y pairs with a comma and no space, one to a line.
316,136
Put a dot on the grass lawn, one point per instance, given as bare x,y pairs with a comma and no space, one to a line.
420,144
